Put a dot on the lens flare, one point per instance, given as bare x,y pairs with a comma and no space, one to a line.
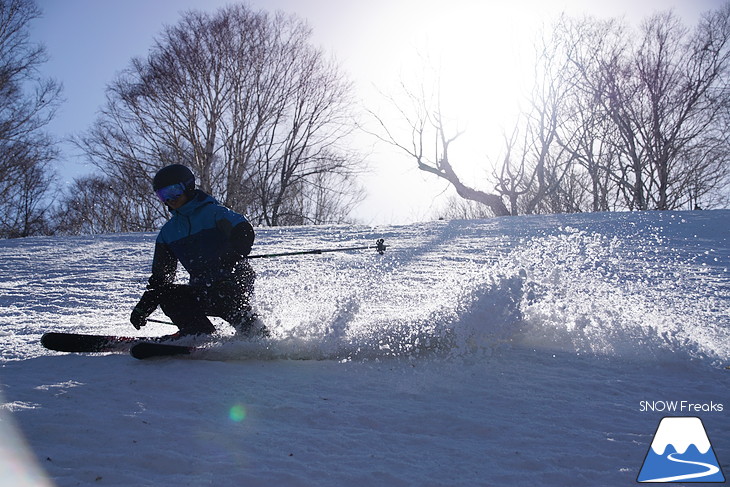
237,413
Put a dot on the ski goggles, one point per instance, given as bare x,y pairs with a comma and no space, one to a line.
170,193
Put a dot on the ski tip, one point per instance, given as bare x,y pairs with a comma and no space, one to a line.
73,342
47,338
50,341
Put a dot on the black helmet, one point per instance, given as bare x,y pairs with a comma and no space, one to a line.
174,174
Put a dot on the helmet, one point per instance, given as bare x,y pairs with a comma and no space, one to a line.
174,174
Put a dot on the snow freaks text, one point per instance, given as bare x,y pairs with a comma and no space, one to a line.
680,407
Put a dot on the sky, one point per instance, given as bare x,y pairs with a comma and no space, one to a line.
378,43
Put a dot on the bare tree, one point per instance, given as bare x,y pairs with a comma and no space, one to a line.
431,137
536,162
240,96
88,207
665,104
512,179
457,208
27,104
617,119
326,200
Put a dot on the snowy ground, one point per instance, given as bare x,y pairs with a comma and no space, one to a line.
515,351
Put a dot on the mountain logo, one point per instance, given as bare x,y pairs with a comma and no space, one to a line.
680,452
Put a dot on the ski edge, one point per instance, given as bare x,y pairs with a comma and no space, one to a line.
147,350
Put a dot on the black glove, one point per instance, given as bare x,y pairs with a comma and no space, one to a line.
146,306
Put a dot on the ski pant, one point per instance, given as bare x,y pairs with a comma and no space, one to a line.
189,306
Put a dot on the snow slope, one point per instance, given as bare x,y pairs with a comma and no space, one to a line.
515,351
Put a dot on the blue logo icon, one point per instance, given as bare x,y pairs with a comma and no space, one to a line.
680,452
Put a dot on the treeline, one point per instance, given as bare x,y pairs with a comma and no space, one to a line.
625,121
242,97
27,104
617,119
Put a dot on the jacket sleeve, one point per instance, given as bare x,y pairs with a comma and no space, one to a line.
239,232
242,237
164,267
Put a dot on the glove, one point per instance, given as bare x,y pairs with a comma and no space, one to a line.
146,306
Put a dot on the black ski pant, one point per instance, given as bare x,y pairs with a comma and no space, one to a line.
189,306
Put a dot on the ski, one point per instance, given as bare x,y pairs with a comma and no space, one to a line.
78,342
84,343
146,350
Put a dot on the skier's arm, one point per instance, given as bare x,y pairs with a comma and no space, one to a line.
240,234
242,237
164,266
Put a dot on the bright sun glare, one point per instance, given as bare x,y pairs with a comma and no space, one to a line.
478,58
482,54
479,53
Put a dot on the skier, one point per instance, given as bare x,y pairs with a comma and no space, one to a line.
211,242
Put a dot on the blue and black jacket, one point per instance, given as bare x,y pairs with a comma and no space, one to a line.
208,239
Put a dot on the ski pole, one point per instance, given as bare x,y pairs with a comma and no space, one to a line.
379,246
161,321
